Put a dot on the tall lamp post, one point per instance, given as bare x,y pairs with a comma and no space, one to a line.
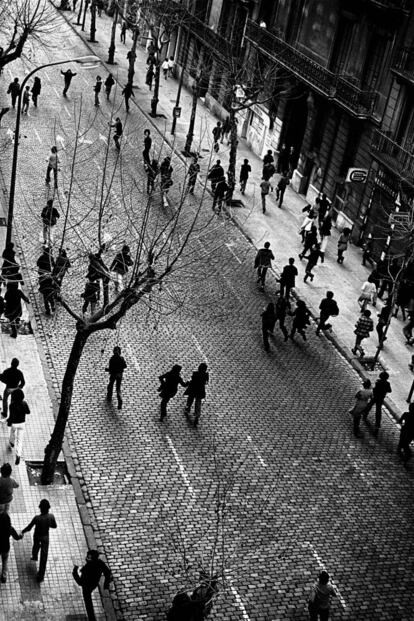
80,60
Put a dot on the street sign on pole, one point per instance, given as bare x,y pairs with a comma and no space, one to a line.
357,175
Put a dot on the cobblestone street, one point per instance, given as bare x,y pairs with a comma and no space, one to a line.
301,492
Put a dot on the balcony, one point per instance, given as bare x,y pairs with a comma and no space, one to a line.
403,64
394,157
361,104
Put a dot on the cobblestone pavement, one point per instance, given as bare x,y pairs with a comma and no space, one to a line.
302,493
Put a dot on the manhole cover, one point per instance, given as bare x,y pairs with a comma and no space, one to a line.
34,472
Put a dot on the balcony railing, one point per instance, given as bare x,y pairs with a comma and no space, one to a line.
397,159
359,103
403,63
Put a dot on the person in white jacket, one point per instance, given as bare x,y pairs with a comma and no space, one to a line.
368,295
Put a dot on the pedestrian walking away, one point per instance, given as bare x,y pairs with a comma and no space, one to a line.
363,327
7,485
245,170
122,261
116,368
90,295
284,181
42,524
149,76
165,66
220,194
217,130
301,319
281,310
196,391
48,289
406,434
62,265
118,132
14,91
265,188
166,171
49,218
323,205
268,323
6,531
52,166
268,158
381,389
26,100
263,262
17,422
325,233
313,257
35,90
13,378
147,148
288,278
67,77
328,308
215,174
306,228
310,239
193,171
169,386
123,32
127,93
343,242
13,306
362,398
97,89
383,320
89,577
109,82
320,598
98,271
368,294
152,173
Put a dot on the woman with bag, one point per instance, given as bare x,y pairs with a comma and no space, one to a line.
362,398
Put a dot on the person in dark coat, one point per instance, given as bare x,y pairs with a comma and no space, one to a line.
17,422
149,76
367,248
45,262
263,262
67,76
49,218
62,265
407,433
128,92
35,90
328,308
48,289
196,391
281,308
6,531
193,171
300,319
268,171
90,295
215,174
120,265
116,368
325,233
89,577
323,207
381,389
169,386
166,171
109,82
10,269
268,323
383,318
97,270
14,91
310,239
152,172
281,187
123,32
217,131
147,148
42,524
185,609
343,242
245,170
220,194
287,278
13,378
313,258
13,306
225,129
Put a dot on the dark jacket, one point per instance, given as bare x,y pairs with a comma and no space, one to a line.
50,215
61,267
97,269
17,412
216,172
301,317
6,530
13,378
121,263
268,319
13,303
42,523
91,573
116,364
45,263
328,307
288,275
47,285
197,385
245,169
109,82
264,258
381,389
91,293
169,384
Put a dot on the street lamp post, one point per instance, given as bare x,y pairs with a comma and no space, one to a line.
79,60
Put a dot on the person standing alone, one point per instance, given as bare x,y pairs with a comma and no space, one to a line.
67,76
52,166
116,368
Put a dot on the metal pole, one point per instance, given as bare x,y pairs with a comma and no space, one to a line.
112,48
84,14
78,22
180,84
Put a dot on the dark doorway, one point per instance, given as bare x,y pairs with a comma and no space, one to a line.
293,131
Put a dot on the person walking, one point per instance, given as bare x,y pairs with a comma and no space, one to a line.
215,173
49,218
268,167
10,269
245,170
169,386
115,368
343,242
323,205
67,78
26,100
152,173
225,130
268,323
325,233
122,261
328,308
13,378
301,319
263,262
363,327
45,262
165,67
368,294
265,188
383,319
90,295
42,524
310,240
14,91
166,171
109,82
217,130
147,148
52,166
406,433
408,329
6,531
98,271
367,248
62,265
313,257
13,306
123,32
47,287
171,66
281,309
35,90
17,421
196,391
89,577
97,89
7,485
220,194
149,76
127,93
362,398
118,132
381,389
306,227
320,598
193,171
288,278
281,188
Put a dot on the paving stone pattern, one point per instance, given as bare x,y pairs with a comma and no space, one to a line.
302,492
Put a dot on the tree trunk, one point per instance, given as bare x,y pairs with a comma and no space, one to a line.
85,9
154,100
78,21
132,56
93,22
54,447
234,141
111,51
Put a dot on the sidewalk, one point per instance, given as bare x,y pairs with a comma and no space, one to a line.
58,597
279,226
